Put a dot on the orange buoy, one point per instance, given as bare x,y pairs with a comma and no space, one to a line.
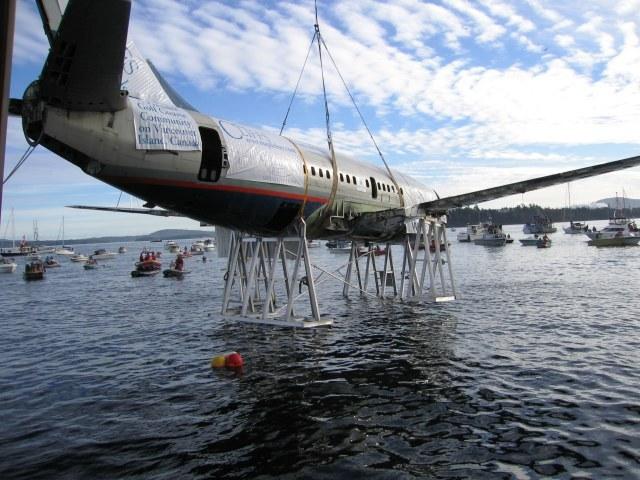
234,360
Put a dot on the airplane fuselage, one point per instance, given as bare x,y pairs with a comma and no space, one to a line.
232,175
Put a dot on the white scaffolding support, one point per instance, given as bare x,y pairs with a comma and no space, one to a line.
255,291
424,253
431,240
270,280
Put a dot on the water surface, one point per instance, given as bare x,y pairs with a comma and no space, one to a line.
533,373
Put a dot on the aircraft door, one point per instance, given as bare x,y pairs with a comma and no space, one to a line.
374,187
214,155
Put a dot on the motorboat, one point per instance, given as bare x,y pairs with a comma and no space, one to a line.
7,265
103,254
91,264
491,239
32,257
174,248
377,251
122,250
209,245
341,246
313,243
544,242
576,228
20,251
64,250
50,262
168,245
471,233
509,239
146,268
621,232
536,241
618,226
46,250
34,271
78,258
197,248
620,241
174,273
540,224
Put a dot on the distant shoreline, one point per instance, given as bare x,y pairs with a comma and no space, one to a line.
162,235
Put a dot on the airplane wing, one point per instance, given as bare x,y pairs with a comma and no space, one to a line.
479,196
145,211
84,68
51,13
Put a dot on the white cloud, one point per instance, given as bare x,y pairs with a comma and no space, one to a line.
459,90
488,30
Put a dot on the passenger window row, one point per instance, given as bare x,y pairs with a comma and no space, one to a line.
322,173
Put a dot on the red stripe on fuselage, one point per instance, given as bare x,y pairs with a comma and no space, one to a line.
218,187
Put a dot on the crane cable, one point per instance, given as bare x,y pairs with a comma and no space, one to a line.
23,159
295,90
393,179
334,163
317,36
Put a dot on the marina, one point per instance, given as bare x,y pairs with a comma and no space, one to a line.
396,389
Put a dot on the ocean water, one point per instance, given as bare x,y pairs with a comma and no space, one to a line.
533,373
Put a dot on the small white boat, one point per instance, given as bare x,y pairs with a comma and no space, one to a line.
78,258
7,265
102,254
174,248
67,251
46,249
313,243
32,257
122,250
576,228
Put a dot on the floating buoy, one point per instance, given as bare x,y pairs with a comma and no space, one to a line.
218,361
234,360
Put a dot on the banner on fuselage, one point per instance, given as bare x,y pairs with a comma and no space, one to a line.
162,127
261,156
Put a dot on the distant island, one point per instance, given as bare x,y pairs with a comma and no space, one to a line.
160,235
522,214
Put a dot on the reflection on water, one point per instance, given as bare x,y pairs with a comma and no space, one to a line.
534,373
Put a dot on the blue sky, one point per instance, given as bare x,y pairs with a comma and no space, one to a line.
461,94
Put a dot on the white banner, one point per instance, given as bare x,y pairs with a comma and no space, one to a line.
261,156
161,127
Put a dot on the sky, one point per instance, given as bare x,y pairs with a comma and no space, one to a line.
462,95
